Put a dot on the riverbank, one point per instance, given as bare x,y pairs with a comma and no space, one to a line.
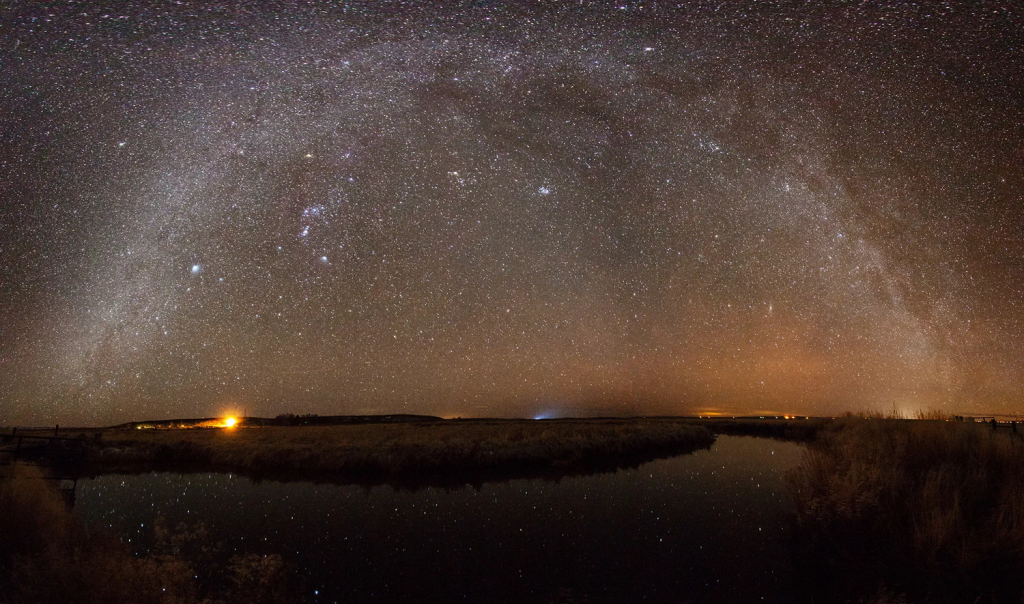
930,509
428,451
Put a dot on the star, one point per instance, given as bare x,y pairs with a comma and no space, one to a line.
638,208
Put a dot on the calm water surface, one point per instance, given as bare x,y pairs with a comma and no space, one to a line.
694,528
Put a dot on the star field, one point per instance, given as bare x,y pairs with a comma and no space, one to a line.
509,208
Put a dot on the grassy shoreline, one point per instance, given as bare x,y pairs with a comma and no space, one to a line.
933,510
429,452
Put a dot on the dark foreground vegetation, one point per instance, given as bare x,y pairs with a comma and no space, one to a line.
47,555
930,510
400,453
885,510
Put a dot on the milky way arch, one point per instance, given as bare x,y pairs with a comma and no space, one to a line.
508,209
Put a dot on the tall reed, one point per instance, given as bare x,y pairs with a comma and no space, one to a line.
932,508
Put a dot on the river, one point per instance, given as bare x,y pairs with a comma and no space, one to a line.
704,527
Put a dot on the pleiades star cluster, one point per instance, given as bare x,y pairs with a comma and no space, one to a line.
509,208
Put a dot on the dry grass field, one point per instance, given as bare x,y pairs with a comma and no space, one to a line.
407,449
932,509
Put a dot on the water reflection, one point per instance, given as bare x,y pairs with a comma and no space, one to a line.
700,527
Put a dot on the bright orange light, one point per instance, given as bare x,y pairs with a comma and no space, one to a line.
230,422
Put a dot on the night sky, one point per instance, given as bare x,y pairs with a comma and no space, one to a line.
509,208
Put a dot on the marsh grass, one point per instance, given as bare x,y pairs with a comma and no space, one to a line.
934,509
933,414
47,555
402,450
